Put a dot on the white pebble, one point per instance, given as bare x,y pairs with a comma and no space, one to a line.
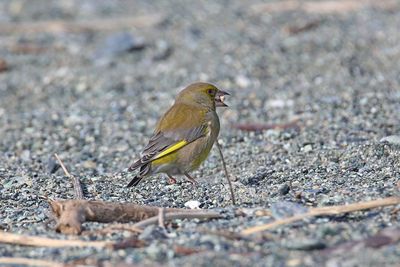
242,81
307,148
192,204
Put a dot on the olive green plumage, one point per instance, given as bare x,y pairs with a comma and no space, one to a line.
184,135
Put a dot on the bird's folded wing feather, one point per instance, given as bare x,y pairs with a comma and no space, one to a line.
181,125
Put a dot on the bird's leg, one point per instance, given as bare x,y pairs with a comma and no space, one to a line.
193,181
171,179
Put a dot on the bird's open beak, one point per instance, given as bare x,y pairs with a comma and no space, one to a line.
219,99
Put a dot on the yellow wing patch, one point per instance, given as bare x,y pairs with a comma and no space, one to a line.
171,149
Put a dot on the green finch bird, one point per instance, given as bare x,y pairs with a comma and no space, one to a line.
183,136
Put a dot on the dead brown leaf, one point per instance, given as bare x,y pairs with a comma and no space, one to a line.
185,251
3,65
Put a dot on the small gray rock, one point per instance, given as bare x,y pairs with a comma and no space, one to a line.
307,244
285,209
163,50
284,189
391,139
52,165
255,179
152,232
117,44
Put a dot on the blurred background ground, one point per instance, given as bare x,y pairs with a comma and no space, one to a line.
88,80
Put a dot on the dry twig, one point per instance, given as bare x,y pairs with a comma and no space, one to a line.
179,215
29,262
226,174
322,7
325,211
37,241
161,217
75,180
296,29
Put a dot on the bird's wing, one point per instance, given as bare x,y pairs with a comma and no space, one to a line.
181,125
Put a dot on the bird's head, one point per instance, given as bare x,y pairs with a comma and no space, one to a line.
204,94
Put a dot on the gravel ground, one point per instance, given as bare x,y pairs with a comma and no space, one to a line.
94,101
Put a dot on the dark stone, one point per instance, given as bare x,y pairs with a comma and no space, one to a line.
284,189
52,165
152,232
306,245
255,179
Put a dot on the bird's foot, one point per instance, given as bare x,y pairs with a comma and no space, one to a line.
171,180
191,180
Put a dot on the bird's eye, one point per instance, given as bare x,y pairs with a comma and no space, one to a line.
210,91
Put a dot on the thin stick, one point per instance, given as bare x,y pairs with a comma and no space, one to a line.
178,215
161,217
30,262
37,241
321,7
75,180
324,211
226,174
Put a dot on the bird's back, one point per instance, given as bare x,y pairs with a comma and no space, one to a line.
191,120
181,116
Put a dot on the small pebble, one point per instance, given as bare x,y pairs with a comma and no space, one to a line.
392,139
284,189
193,204
307,148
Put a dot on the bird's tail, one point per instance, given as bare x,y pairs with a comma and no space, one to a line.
144,169
135,181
